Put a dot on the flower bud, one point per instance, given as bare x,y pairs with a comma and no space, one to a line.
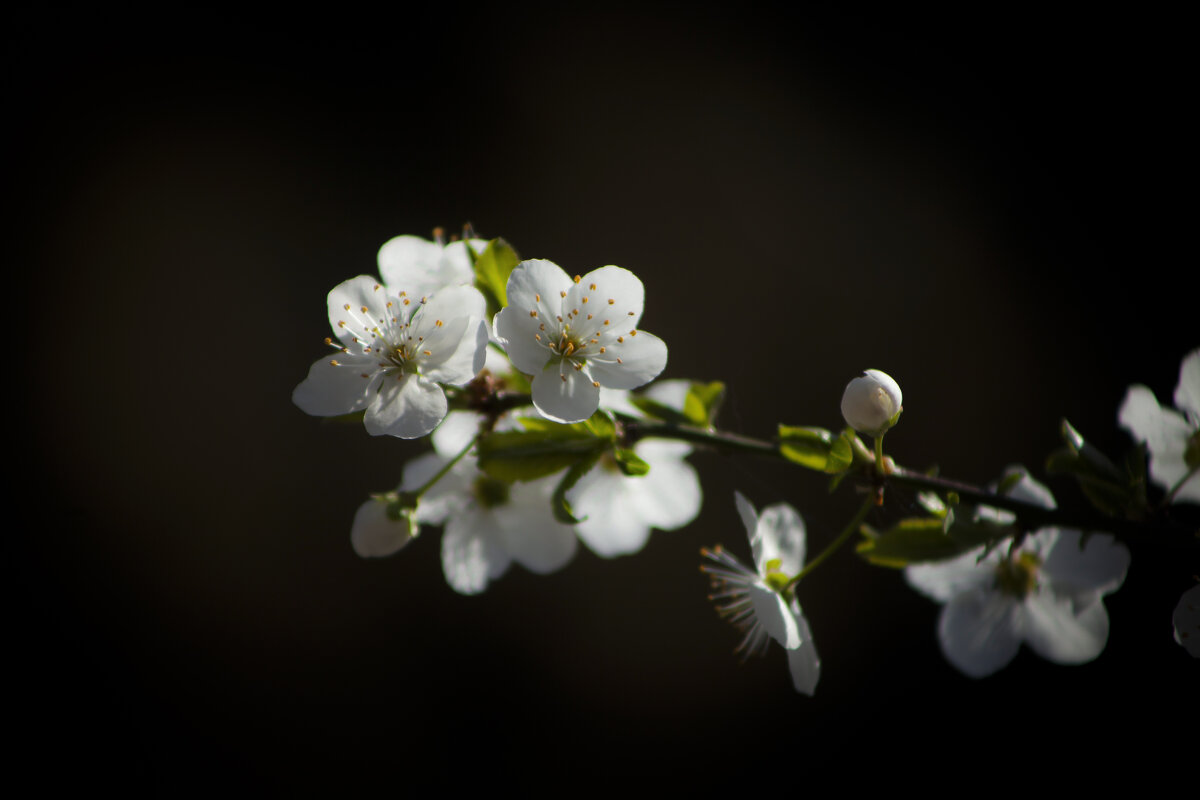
871,403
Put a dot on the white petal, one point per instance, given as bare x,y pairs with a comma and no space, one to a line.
564,394
672,393
643,356
448,495
803,661
421,267
472,552
612,525
460,361
1098,569
408,407
748,514
355,307
456,432
1187,393
980,632
1030,491
944,580
612,283
530,533
374,535
780,535
774,615
533,299
332,389
1058,632
669,496
1164,431
1186,620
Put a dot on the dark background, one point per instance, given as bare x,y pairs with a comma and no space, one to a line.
991,209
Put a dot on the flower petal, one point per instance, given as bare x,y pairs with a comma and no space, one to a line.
1187,393
530,534
619,285
533,299
564,394
1098,569
748,514
803,661
774,616
611,523
355,307
668,497
1058,632
422,267
780,535
374,535
1164,431
980,632
336,388
408,407
472,552
944,580
642,357
457,362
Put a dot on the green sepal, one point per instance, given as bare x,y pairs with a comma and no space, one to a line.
531,454
629,462
492,268
702,403
558,503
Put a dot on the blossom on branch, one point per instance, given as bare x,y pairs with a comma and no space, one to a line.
393,352
422,267
872,402
758,601
1172,437
1047,592
577,335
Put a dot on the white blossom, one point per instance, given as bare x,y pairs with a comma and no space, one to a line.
393,351
1171,436
871,401
375,534
577,335
756,600
488,523
1047,593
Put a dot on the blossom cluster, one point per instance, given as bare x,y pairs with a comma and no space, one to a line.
402,342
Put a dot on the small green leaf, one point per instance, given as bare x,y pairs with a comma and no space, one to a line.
909,541
808,447
601,425
492,268
842,454
702,403
657,410
629,462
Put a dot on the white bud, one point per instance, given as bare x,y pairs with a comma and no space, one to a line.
872,402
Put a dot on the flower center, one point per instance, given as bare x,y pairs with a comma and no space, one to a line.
1018,576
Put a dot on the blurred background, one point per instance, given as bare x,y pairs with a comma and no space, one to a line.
986,208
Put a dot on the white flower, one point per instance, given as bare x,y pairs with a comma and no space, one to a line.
574,336
488,523
1172,437
871,401
618,510
753,600
394,350
422,267
1187,621
1047,593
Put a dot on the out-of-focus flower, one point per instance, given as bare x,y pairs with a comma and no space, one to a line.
757,601
380,531
577,335
421,267
871,402
1047,593
488,523
1187,621
1172,437
393,352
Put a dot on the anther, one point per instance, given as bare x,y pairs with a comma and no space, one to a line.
423,299
558,317
533,313
595,383
564,377
542,327
562,294
619,361
407,301
389,303
347,306
633,333
364,309
334,362
537,298
620,338
631,313
438,323
576,279
611,301
537,336
377,287
578,367
328,340
605,322
341,323
585,298
592,287
602,349
427,352
575,312
589,316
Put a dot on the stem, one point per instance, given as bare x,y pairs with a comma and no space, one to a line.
441,473
846,533
879,468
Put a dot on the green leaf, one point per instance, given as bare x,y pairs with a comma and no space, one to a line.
601,425
918,540
531,454
842,454
657,410
492,268
702,403
808,447
1113,491
558,503
630,462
